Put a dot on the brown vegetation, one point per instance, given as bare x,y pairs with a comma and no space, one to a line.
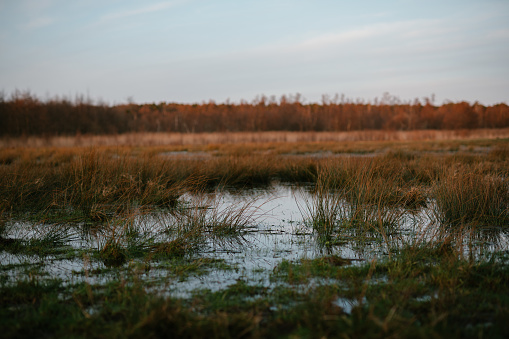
297,142
426,223
99,181
26,115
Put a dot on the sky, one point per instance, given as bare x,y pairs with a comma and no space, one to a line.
195,51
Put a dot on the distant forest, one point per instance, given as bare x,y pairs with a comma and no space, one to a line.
24,114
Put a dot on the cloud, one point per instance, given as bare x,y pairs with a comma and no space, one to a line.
387,31
380,37
500,34
38,23
33,14
36,6
142,10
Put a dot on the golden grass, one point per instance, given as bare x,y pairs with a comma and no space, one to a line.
187,139
99,180
464,195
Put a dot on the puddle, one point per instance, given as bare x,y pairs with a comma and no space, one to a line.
276,231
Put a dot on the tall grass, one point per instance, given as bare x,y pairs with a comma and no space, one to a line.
351,205
92,184
326,207
464,196
158,213
96,184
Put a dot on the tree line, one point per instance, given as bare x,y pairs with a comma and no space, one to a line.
24,114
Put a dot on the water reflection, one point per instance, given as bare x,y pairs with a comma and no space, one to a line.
275,229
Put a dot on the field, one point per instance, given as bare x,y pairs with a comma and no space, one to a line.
273,234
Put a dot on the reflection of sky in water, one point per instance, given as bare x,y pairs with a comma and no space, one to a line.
276,232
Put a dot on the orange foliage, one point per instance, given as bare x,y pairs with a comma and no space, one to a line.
24,114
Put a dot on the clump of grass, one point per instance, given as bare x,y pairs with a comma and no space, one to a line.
232,220
413,197
368,184
113,254
151,236
466,197
38,239
177,233
326,207
381,181
333,213
178,247
203,220
124,238
224,218
99,182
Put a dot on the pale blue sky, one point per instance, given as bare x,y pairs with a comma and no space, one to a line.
194,51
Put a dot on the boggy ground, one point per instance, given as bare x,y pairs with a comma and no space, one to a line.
410,241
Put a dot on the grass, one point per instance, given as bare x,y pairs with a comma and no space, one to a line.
351,201
366,139
421,292
136,225
464,196
407,297
90,185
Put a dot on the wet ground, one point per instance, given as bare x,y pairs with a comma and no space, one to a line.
276,230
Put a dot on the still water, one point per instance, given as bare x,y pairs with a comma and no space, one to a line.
276,228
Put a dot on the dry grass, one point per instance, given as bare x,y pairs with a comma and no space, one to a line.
103,180
422,291
95,183
179,139
465,196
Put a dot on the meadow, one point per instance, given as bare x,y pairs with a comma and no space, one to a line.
255,235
